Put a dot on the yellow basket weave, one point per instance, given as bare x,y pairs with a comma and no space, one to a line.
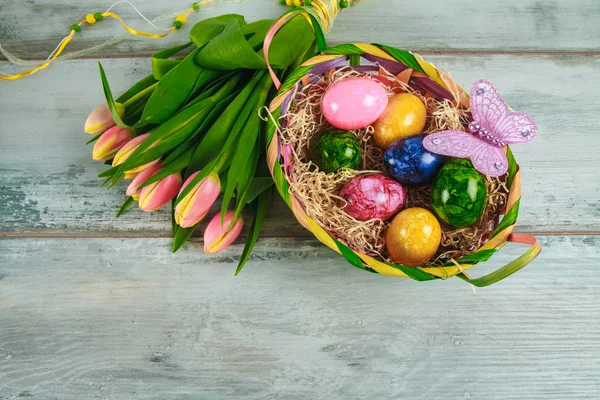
440,85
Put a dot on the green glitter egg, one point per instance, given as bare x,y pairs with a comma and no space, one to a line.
459,194
333,150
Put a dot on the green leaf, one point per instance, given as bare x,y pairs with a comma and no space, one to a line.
161,62
258,185
223,130
126,205
246,155
291,42
178,165
142,84
263,202
175,131
96,137
229,50
174,89
109,99
204,31
182,235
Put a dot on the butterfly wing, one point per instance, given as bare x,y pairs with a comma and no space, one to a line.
492,113
515,128
487,107
487,159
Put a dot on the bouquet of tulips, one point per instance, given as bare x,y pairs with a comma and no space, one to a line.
192,131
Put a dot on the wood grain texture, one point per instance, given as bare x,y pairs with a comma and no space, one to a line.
85,319
49,182
32,28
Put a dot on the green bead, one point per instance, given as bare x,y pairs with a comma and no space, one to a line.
459,194
177,24
344,4
334,150
308,3
98,16
282,2
196,6
75,28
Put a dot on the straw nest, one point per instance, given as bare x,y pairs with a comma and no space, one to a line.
318,191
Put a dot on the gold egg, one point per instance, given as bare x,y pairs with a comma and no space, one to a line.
404,116
413,237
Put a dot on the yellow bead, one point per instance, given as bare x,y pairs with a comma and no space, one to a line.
289,2
90,19
181,18
297,3
413,237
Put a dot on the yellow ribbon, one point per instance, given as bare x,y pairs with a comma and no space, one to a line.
181,18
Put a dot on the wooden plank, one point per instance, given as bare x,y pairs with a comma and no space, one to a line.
49,182
125,319
32,29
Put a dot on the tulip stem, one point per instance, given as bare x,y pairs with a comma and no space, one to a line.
140,95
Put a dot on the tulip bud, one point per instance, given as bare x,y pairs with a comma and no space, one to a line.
133,188
217,237
111,142
157,194
126,151
132,173
194,207
101,119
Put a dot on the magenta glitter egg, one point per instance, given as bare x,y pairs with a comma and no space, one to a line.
373,196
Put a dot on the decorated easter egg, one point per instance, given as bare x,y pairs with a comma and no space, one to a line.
334,150
404,116
372,196
459,194
407,161
354,103
413,237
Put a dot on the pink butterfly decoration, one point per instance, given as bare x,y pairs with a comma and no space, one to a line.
493,127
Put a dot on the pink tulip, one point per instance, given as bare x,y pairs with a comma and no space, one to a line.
157,194
196,204
111,142
101,119
133,188
217,237
127,150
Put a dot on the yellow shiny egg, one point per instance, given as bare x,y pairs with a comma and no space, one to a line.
413,237
404,116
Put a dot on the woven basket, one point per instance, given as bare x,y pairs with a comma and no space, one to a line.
427,78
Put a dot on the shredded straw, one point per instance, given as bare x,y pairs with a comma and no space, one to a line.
318,191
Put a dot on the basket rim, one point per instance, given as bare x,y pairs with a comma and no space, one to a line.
431,77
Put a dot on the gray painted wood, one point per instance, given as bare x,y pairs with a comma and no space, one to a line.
32,28
85,319
49,182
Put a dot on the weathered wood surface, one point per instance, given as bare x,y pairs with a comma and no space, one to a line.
85,319
122,318
435,25
49,182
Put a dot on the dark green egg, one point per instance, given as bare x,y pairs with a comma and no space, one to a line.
459,194
333,150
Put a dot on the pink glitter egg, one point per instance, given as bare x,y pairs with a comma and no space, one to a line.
354,103
373,196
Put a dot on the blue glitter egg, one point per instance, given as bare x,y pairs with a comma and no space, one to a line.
407,161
